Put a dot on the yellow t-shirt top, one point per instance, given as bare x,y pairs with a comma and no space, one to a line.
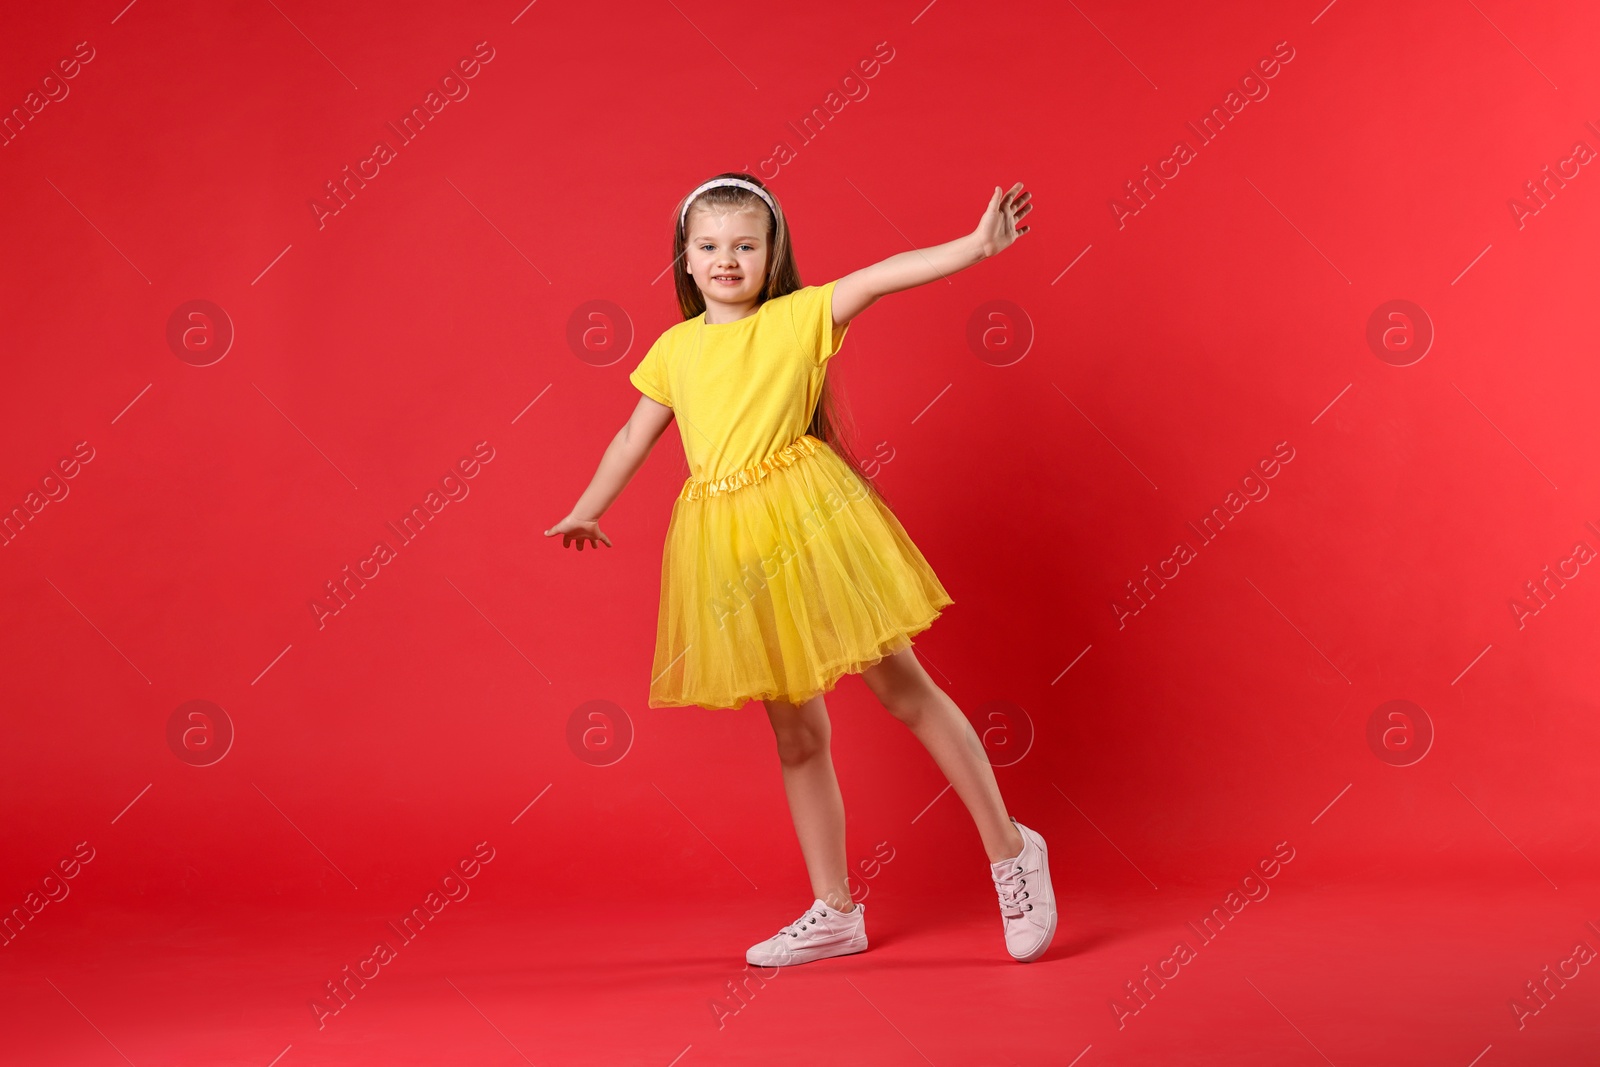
742,390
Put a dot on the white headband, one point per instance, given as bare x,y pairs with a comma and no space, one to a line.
714,182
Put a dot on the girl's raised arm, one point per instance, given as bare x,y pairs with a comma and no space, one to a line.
855,292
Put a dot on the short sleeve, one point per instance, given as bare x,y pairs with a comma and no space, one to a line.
811,309
650,376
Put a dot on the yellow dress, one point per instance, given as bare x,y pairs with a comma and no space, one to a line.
781,571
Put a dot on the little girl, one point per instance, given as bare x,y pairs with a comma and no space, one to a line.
783,568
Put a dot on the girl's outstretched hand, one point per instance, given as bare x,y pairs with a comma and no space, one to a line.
998,227
572,530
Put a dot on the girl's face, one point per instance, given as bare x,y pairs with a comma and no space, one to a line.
727,252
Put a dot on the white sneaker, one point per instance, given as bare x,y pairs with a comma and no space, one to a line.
1027,902
819,933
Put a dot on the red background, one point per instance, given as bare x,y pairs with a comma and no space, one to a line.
433,311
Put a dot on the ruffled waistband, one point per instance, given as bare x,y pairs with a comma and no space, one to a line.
789,454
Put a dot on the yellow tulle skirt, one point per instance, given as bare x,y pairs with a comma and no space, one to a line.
780,579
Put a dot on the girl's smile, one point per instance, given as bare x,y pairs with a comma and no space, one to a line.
727,257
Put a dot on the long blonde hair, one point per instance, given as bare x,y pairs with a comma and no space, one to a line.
830,421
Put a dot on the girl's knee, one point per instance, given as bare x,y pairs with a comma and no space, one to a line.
907,707
904,692
798,743
801,732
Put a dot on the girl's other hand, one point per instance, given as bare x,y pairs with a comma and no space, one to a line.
577,530
998,227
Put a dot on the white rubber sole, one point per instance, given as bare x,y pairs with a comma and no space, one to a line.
848,949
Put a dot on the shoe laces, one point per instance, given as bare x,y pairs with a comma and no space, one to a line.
1012,889
800,925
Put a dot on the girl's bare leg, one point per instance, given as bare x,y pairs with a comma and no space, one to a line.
803,732
904,688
